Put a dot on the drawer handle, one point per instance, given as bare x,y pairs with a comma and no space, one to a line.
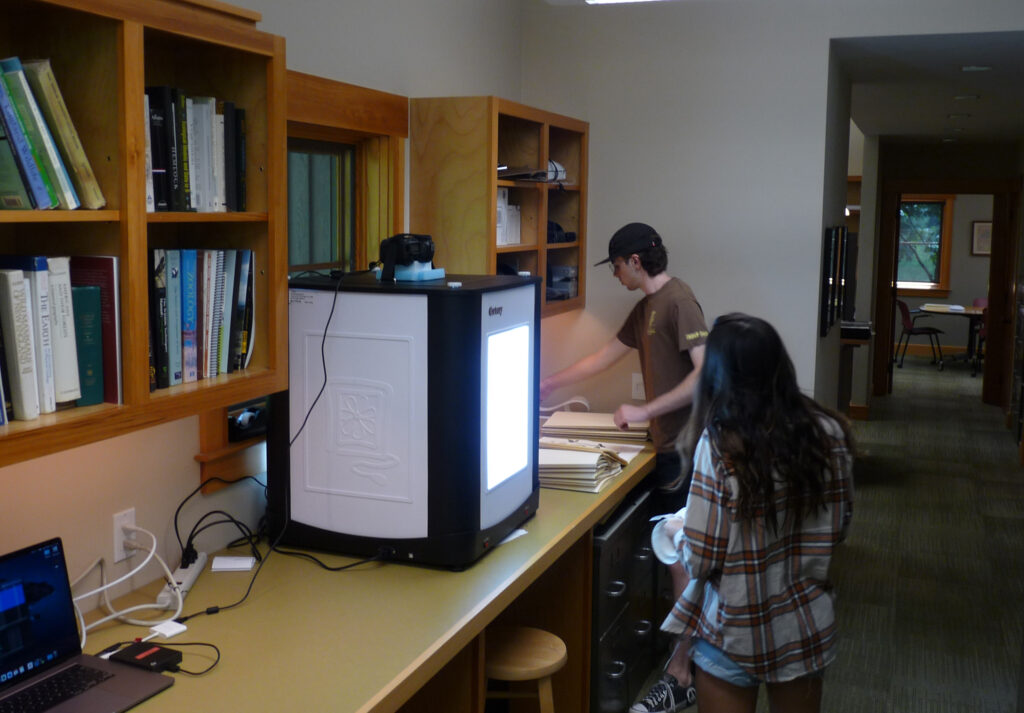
645,554
617,669
615,589
642,627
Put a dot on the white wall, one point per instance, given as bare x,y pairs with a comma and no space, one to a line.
410,47
708,120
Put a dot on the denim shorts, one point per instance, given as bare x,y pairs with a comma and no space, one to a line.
714,661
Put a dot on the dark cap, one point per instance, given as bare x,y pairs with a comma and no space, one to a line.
629,239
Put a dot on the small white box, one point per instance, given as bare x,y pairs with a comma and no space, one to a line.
513,226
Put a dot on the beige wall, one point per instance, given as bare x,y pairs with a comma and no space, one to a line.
74,494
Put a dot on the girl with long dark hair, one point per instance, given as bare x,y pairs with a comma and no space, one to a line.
771,497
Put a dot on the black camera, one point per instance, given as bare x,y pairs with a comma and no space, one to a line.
404,249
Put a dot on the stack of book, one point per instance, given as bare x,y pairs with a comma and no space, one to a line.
582,465
201,315
42,162
195,152
59,336
592,426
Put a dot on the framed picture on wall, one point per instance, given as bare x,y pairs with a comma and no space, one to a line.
981,237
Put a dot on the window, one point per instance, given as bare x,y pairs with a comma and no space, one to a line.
923,252
346,161
321,205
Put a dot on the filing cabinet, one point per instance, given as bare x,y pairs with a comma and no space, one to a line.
624,627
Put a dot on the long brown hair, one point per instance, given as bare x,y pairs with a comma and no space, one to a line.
762,428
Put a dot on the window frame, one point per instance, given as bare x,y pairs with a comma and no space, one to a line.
942,287
377,124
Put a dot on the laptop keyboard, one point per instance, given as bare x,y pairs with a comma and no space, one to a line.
54,689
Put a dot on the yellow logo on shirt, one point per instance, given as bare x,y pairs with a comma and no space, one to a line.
650,322
696,335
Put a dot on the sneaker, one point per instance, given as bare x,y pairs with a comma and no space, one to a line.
666,696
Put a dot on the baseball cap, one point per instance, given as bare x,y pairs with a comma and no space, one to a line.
629,239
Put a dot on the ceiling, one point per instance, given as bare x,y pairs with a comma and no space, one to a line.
906,86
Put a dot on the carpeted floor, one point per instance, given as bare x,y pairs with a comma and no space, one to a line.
930,582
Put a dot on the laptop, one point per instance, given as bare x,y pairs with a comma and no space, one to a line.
41,660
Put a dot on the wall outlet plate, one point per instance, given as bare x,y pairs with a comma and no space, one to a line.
125,517
638,386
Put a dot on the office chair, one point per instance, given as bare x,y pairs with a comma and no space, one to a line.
910,329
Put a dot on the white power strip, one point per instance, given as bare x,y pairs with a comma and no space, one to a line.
185,578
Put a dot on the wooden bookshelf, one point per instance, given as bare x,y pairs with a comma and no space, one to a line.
456,145
104,54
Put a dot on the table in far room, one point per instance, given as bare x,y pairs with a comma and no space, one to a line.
974,316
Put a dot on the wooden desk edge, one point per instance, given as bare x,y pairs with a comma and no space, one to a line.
401,688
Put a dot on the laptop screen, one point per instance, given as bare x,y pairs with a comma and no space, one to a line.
37,618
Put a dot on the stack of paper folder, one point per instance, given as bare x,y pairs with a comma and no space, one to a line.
575,464
592,426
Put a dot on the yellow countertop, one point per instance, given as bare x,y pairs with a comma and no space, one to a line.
363,639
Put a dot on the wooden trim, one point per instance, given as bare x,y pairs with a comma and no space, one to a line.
325,102
915,292
945,246
859,412
182,18
224,8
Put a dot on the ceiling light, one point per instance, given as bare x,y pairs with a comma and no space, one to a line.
958,116
967,97
948,140
975,68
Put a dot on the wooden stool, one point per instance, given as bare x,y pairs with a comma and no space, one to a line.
523,653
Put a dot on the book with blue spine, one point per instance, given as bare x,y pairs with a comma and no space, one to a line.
174,316
189,317
23,153
39,133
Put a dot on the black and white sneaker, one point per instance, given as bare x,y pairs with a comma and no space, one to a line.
666,696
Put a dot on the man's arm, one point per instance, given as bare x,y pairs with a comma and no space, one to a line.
679,396
586,367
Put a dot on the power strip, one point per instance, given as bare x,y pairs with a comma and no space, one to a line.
185,577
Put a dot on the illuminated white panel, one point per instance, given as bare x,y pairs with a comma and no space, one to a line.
508,400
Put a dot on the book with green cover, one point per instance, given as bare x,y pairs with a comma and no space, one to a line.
13,195
44,87
32,135
39,133
89,341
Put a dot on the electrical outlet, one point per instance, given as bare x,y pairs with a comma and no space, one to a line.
125,517
638,386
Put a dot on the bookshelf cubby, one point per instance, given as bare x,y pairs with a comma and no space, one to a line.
456,147
103,55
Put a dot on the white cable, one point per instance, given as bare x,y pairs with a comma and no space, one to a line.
130,574
98,562
121,615
104,588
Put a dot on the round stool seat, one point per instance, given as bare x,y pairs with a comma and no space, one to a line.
522,653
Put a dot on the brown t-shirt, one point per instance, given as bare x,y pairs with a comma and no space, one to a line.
664,327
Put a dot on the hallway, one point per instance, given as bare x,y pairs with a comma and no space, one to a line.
930,582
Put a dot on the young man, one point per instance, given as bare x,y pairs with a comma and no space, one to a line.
667,328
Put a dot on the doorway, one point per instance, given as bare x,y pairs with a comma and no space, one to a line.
996,374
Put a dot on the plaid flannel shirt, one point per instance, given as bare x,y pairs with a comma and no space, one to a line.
764,599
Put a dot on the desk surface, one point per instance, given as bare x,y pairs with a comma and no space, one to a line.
364,639
962,311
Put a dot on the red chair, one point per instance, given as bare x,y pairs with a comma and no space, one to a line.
910,329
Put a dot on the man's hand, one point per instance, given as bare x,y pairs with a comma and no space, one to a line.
546,387
627,414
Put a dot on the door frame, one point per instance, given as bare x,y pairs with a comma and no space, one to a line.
1002,278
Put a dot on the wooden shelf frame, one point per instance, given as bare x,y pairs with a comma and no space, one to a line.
104,53
456,146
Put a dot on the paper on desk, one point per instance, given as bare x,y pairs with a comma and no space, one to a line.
513,535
